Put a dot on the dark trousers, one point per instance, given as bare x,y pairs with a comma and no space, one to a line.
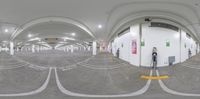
154,64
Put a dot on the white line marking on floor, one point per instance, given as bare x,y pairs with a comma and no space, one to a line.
13,67
90,66
67,92
30,65
32,92
191,66
75,65
106,68
166,89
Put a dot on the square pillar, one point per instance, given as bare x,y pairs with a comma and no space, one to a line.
12,48
94,47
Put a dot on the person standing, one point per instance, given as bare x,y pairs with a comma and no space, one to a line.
118,53
189,53
154,57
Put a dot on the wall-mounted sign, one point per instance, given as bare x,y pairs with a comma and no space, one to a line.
134,46
142,43
167,43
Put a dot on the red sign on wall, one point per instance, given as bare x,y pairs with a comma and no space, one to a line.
134,47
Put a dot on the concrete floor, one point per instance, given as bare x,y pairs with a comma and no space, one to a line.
20,80
184,77
53,58
99,77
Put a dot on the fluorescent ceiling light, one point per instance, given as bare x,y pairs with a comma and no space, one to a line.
79,44
73,34
63,42
19,43
34,39
47,45
68,38
27,44
58,45
100,26
30,35
86,43
42,42
6,30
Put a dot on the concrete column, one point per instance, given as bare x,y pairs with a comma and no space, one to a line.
12,48
38,48
94,46
84,48
41,48
64,49
79,49
72,48
89,48
33,48
180,44
67,48
22,49
101,49
140,47
17,49
27,49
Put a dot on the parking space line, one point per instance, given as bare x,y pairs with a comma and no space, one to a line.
32,92
67,92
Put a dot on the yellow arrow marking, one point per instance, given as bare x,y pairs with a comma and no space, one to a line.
154,77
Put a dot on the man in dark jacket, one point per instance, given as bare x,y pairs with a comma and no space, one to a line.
117,53
154,57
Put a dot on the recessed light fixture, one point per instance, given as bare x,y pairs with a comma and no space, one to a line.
34,39
6,30
73,34
68,38
100,26
30,35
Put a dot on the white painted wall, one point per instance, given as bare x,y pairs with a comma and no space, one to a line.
124,46
153,37
124,43
135,35
157,37
187,43
198,48
114,46
94,47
